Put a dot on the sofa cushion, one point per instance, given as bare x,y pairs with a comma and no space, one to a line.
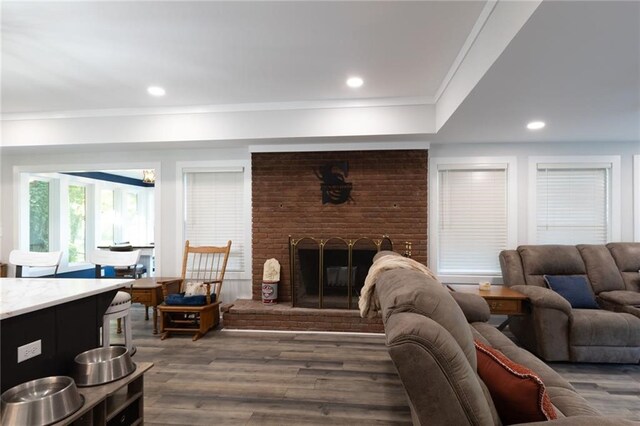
550,260
180,299
633,310
518,393
621,297
601,268
594,328
627,257
574,288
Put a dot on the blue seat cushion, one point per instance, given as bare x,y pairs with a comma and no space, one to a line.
179,299
574,288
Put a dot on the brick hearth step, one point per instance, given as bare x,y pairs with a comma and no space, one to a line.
252,314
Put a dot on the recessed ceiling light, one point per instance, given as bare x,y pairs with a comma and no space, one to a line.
155,91
536,125
355,82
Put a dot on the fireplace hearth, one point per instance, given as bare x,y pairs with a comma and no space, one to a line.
329,273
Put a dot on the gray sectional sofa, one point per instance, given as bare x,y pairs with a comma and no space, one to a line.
555,331
430,336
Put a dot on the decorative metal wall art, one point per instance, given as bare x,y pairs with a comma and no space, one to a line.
335,189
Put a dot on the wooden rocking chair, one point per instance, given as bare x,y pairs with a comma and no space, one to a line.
186,312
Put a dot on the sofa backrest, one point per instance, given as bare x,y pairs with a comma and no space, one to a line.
431,345
540,260
612,267
627,258
601,268
511,266
403,290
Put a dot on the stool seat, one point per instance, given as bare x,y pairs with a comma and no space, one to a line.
121,302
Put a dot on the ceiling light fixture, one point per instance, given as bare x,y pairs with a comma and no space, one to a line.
535,125
355,82
155,91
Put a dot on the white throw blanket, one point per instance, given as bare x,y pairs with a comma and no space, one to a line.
369,304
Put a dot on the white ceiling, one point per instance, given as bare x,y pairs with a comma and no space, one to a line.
573,64
61,56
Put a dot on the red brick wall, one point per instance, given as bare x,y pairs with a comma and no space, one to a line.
389,197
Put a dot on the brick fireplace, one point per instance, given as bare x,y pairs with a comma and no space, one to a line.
388,196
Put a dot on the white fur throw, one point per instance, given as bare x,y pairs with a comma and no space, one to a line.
195,289
369,304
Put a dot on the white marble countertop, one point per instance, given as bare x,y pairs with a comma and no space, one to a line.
22,295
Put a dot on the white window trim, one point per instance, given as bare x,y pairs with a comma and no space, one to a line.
636,197
183,167
532,189
434,200
19,211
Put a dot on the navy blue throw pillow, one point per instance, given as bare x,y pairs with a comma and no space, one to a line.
574,288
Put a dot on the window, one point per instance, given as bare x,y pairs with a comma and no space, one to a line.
75,212
39,215
133,229
107,217
77,223
573,202
214,212
474,215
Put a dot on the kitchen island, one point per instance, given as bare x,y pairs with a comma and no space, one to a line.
65,315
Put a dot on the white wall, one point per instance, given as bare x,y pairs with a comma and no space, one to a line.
170,250
626,150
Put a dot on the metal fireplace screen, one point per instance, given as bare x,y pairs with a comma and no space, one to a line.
329,273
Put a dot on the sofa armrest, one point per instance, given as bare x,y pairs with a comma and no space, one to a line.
541,297
475,308
545,330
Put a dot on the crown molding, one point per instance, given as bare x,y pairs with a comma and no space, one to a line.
332,147
204,109
471,39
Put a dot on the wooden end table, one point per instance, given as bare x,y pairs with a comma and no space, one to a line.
502,300
148,291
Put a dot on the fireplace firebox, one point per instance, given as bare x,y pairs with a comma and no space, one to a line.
329,273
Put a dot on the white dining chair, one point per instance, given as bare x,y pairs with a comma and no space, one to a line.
34,259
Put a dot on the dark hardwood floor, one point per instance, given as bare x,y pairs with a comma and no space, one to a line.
251,378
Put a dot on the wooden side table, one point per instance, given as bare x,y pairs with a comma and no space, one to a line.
3,270
148,291
502,300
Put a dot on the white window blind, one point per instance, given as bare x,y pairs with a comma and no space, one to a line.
573,204
214,212
473,226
